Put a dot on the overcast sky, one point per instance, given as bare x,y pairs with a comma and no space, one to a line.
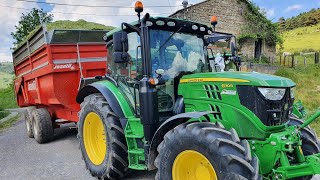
10,12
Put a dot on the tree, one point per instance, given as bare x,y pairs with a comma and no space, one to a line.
28,22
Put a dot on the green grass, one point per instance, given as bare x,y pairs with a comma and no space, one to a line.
4,114
9,123
7,98
303,39
5,79
308,87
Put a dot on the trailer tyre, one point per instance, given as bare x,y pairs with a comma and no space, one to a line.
204,150
102,140
28,120
310,142
42,126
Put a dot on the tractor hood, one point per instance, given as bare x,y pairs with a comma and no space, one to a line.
245,78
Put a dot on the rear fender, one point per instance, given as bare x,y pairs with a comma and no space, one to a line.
169,124
112,94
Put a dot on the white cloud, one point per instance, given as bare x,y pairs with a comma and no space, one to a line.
10,16
270,13
293,7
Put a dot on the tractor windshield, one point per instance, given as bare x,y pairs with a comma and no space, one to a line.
175,52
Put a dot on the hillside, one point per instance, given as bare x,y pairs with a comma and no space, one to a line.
6,74
304,19
303,39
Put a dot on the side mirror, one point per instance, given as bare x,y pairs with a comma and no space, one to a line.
120,57
120,47
120,41
233,49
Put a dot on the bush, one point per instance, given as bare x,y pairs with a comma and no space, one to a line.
4,114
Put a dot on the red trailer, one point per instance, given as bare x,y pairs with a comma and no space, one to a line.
50,68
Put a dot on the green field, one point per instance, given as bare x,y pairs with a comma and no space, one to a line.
303,39
308,87
6,74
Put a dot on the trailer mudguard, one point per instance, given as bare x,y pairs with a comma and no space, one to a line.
170,124
112,94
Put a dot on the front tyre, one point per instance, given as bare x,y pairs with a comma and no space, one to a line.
205,151
310,142
102,140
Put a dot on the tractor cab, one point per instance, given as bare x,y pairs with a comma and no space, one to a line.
172,49
167,105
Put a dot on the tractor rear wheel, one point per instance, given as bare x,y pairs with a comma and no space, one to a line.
310,142
28,120
205,151
42,125
102,140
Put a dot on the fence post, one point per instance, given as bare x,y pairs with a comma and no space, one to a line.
316,57
284,60
305,61
280,59
292,61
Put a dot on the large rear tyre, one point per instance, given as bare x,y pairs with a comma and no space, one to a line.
28,120
205,151
310,141
42,126
102,140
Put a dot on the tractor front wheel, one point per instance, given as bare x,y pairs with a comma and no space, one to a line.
310,142
102,140
205,151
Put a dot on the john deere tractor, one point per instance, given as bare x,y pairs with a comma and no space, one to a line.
161,106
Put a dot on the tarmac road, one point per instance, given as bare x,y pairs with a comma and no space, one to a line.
23,158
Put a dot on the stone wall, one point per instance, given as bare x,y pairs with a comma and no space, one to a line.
230,15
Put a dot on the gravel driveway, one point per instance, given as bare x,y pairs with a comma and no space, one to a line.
23,158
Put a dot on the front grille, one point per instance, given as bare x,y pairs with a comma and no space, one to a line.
271,113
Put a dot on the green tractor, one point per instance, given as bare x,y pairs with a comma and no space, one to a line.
161,107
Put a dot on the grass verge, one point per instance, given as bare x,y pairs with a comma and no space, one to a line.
4,114
7,98
9,122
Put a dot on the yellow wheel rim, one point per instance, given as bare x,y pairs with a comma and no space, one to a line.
192,165
94,138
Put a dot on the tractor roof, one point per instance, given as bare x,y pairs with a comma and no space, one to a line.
169,24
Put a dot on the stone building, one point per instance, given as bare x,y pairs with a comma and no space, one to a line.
231,19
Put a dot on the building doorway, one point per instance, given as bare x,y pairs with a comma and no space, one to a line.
258,48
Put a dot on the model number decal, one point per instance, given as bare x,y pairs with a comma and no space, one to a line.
227,85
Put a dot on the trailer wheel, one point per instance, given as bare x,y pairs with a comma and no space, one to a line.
42,125
310,142
205,151
102,140
28,120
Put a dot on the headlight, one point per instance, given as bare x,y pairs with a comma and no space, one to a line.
292,92
272,93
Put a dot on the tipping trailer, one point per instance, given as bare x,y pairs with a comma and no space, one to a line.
50,67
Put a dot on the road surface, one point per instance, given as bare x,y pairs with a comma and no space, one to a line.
23,158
